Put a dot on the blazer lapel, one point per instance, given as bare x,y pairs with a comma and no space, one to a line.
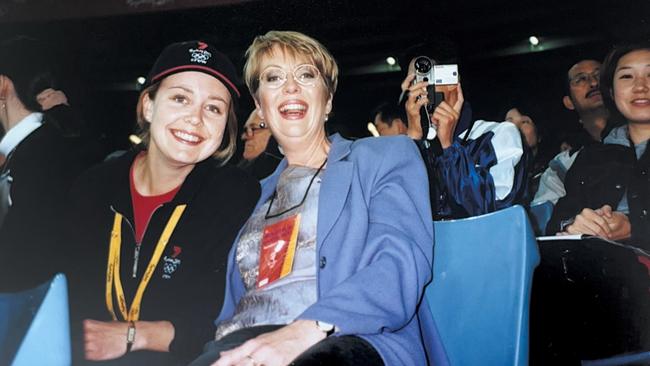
334,188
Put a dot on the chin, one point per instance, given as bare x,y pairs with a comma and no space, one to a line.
189,158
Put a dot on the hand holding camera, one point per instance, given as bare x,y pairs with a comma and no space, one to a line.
417,99
428,87
446,115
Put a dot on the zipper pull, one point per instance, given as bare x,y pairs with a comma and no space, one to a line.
136,257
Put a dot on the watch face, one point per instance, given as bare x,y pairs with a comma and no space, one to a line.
130,335
325,327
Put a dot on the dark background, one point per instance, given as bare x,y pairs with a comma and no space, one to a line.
103,46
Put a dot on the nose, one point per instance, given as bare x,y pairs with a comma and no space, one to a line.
593,81
641,83
194,116
291,86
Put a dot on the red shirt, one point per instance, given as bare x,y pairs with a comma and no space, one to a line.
144,206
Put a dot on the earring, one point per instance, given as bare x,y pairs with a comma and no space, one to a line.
327,117
262,124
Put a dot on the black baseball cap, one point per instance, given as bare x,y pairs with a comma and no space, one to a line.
194,56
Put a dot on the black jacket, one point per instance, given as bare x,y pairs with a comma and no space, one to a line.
188,284
601,175
42,168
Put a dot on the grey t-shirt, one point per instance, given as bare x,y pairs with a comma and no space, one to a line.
284,300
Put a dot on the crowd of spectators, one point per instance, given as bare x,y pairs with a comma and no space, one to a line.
598,183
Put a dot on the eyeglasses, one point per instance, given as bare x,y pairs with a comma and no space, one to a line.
252,129
583,78
274,77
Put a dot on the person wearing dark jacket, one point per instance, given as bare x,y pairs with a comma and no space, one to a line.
149,232
261,154
608,194
582,96
37,167
472,172
590,296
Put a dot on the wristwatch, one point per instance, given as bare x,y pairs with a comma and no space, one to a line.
130,337
566,223
326,328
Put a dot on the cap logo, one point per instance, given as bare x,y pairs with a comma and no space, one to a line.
200,55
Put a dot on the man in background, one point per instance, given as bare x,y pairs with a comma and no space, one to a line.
583,97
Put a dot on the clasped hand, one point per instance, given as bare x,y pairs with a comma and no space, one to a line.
603,222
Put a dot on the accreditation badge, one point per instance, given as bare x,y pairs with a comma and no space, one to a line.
277,250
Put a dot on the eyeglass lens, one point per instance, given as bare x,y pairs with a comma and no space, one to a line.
275,77
585,78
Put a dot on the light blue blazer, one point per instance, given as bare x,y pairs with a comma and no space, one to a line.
374,248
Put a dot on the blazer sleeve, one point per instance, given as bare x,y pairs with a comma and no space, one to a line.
395,229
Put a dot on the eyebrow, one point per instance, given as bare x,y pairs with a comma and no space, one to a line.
216,97
211,97
283,68
182,87
628,67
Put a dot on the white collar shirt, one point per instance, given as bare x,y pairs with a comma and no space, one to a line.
19,132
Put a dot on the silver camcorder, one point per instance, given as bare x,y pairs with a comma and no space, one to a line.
425,70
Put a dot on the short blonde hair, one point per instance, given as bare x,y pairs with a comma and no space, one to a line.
228,142
295,44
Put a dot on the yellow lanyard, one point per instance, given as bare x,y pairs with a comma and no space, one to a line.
113,268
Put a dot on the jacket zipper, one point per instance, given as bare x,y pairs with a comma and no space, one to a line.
138,244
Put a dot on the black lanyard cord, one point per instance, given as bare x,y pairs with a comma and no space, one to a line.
304,198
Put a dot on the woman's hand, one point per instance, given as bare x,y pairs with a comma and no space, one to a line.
50,98
107,340
277,348
406,83
446,115
619,223
417,98
592,222
104,340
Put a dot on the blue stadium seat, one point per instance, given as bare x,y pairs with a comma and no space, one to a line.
34,325
480,294
539,215
641,358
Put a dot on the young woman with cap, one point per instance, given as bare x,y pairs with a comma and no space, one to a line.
151,230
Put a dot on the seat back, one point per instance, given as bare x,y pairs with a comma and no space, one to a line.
480,294
34,325
539,215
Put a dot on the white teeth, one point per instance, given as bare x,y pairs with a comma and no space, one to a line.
292,107
186,136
